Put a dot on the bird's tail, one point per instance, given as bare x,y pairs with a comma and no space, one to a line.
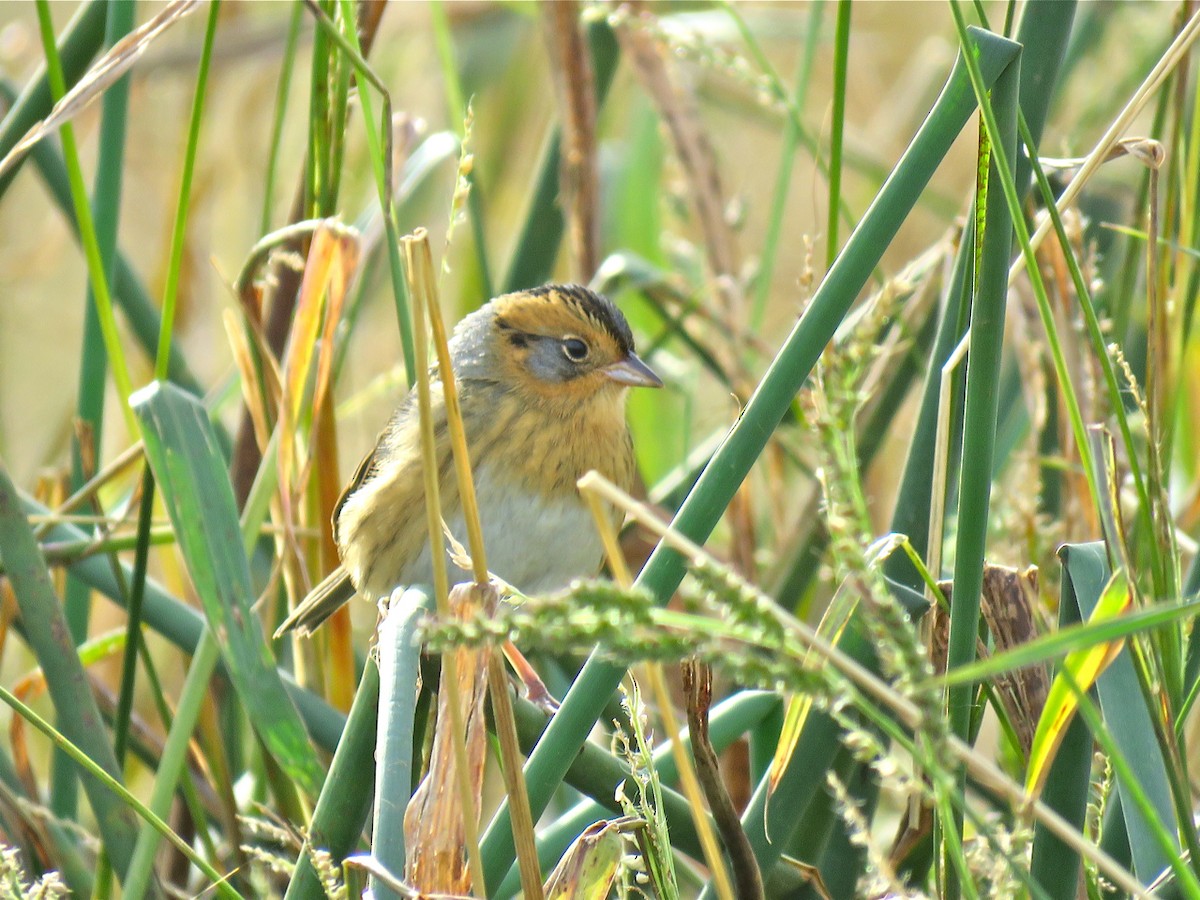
321,603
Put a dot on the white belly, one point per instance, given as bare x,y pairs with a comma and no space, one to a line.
535,545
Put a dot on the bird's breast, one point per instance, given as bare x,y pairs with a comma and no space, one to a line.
550,450
536,543
526,459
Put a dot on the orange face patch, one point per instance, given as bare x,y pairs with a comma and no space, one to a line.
560,315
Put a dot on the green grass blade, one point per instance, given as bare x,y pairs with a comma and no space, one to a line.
379,142
317,159
1044,26
1125,714
841,863
281,97
183,626
773,820
1044,31
793,579
133,628
190,470
48,636
792,109
179,228
171,763
841,55
981,406
791,141
345,800
915,500
1054,865
97,278
106,204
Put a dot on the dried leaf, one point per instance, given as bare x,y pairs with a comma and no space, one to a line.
1009,606
589,867
254,393
332,258
434,829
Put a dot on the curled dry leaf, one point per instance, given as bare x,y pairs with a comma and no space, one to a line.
1009,606
434,828
589,867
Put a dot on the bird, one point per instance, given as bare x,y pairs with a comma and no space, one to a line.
543,375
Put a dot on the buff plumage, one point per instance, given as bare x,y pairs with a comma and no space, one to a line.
542,376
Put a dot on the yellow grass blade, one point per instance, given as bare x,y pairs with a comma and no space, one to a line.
1083,667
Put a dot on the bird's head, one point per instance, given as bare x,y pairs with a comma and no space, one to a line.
557,342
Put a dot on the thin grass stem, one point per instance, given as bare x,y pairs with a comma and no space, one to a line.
592,486
425,291
281,97
222,887
179,228
841,55
87,226
787,159
451,660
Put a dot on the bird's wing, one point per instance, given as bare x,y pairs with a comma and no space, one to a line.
336,588
322,601
404,417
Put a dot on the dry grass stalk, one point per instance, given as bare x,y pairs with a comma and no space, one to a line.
418,272
506,729
99,78
574,83
1103,151
682,118
275,395
593,487
697,686
87,491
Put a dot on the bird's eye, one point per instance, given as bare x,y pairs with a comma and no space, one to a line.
575,349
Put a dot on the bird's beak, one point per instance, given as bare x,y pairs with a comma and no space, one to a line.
634,372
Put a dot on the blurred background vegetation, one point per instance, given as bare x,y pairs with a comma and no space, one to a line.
900,55
780,103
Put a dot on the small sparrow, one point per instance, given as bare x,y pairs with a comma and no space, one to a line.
542,377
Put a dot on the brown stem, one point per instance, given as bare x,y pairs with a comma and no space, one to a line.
697,687
577,100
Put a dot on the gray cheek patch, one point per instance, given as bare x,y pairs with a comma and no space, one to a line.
547,362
